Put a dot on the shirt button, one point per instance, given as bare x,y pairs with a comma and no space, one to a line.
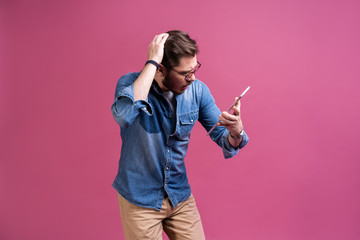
191,120
170,116
167,168
168,150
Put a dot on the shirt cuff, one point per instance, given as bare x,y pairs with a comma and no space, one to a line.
228,150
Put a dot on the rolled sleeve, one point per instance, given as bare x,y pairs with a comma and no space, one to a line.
244,141
124,109
229,151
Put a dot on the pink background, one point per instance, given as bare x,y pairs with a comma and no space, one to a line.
298,178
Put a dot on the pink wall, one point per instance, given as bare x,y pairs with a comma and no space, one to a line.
297,179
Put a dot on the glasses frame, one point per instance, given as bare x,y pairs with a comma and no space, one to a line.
190,73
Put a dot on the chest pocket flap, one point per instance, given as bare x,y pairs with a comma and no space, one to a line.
187,122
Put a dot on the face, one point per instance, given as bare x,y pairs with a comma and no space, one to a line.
174,79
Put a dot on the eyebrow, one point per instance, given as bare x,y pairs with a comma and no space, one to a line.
185,72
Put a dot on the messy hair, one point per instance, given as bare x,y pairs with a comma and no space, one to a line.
178,45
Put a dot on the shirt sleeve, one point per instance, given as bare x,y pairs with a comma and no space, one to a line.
124,109
208,117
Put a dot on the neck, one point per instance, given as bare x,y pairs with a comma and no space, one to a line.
161,84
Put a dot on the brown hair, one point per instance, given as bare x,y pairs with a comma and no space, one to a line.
178,45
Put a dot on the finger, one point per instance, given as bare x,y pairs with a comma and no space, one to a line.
155,38
238,103
164,38
225,121
229,116
158,38
236,111
221,123
236,107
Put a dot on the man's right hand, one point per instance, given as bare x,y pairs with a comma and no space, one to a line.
156,47
156,53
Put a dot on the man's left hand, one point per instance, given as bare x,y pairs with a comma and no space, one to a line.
232,121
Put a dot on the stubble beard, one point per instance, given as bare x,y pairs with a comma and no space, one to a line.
165,82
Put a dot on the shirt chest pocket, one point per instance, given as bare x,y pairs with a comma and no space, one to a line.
187,122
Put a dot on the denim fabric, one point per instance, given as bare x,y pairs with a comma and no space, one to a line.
152,156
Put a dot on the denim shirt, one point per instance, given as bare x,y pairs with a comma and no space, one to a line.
154,141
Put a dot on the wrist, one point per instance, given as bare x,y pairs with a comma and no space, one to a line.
237,136
153,62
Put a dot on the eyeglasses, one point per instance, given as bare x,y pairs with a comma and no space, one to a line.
189,74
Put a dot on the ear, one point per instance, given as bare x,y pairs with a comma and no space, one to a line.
161,71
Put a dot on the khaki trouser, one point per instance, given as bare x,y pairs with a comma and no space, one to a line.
182,222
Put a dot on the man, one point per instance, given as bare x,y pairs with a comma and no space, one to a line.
156,110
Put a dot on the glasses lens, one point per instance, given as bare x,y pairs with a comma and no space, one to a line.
197,67
189,75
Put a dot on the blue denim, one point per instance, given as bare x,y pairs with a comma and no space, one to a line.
154,141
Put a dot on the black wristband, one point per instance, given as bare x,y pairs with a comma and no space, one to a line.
153,62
